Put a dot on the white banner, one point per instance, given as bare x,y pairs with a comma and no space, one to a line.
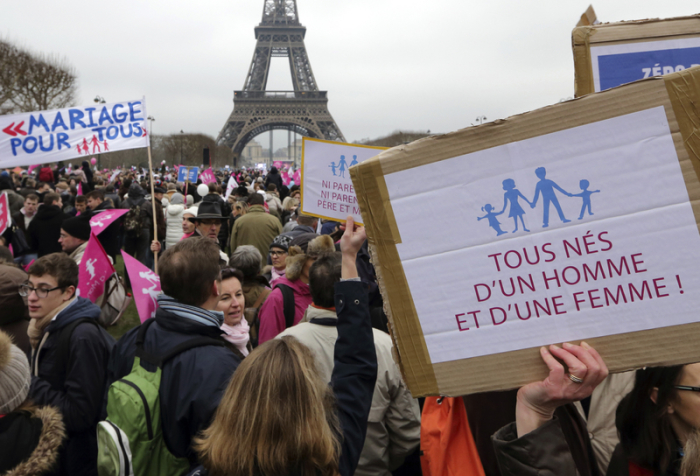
326,187
63,134
581,233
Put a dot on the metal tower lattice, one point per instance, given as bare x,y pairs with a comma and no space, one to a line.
255,109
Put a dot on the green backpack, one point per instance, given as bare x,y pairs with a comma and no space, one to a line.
130,441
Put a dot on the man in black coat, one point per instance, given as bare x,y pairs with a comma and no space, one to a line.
45,229
192,382
274,177
68,367
111,237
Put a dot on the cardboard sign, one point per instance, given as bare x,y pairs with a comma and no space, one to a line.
326,187
75,132
187,173
609,55
576,221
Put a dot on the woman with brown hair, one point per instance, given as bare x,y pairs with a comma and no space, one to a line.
278,417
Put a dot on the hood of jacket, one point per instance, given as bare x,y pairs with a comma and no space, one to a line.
47,212
297,285
105,205
45,455
175,209
80,308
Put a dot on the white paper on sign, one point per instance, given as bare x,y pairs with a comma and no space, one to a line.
620,251
326,186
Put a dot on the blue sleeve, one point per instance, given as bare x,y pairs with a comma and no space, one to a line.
355,370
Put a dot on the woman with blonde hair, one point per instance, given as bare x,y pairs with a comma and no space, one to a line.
278,417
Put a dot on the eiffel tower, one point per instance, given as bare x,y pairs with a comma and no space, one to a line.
255,109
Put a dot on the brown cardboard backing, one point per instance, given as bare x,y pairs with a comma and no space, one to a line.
678,93
583,37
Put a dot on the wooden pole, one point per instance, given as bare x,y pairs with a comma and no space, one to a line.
153,204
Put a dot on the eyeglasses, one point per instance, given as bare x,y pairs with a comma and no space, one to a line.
25,290
685,387
277,253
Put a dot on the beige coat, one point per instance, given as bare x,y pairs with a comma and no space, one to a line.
601,417
393,429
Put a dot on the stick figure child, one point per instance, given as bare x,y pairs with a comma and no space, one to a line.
493,221
516,210
586,195
333,166
354,161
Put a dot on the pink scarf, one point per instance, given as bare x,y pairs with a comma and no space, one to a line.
276,274
186,235
238,335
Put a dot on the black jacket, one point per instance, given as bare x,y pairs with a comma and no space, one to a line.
192,383
354,373
274,177
76,388
109,238
45,229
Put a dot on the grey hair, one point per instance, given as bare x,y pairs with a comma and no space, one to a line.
248,259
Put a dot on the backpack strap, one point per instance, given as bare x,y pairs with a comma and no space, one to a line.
288,298
159,361
63,348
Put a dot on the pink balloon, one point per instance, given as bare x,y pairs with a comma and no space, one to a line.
93,161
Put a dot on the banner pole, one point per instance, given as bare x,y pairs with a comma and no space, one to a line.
153,204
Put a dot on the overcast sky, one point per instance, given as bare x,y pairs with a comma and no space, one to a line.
386,64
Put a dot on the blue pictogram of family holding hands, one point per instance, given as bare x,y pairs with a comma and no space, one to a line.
547,189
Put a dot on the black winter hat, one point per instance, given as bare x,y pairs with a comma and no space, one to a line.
78,227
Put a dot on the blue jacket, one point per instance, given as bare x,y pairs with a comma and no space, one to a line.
75,385
192,383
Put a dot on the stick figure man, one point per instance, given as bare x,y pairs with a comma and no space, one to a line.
547,187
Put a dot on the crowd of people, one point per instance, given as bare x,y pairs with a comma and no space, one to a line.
269,353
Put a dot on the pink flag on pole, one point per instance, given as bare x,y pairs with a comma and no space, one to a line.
94,270
102,220
4,213
286,178
80,188
297,177
207,176
32,167
145,285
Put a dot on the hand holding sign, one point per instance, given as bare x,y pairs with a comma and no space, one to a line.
538,400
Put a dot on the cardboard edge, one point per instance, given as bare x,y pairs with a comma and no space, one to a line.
382,232
583,68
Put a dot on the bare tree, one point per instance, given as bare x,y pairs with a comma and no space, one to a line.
31,82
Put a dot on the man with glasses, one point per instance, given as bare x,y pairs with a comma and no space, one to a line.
69,357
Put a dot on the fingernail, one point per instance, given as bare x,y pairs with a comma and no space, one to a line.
567,345
555,346
585,345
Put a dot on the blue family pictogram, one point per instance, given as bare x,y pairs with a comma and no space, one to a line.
340,168
548,190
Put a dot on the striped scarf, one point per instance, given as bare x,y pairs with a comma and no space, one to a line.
193,313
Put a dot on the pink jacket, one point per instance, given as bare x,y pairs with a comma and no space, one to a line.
272,311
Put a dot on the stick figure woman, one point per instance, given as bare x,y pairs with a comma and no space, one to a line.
516,210
493,221
342,164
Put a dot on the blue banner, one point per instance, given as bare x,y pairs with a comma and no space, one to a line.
187,173
617,69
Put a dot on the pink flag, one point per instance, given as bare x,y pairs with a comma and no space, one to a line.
26,268
11,250
32,167
80,188
4,213
94,270
277,164
147,282
297,177
102,220
286,178
207,176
